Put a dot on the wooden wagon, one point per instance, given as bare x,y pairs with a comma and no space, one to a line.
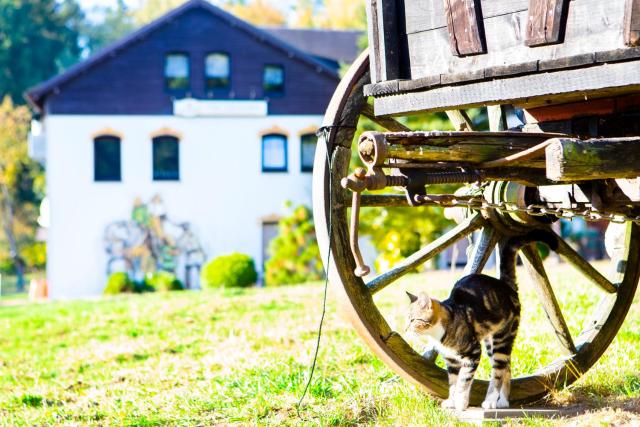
568,67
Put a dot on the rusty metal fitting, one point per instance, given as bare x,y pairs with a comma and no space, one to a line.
372,148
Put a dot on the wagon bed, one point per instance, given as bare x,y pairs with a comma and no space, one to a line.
430,55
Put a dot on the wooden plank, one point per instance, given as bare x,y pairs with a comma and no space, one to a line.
532,90
546,22
383,39
483,247
576,160
425,15
632,23
592,27
465,26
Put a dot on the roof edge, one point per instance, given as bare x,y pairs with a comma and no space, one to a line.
36,95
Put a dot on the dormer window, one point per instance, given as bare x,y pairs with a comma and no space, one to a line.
217,70
176,71
273,78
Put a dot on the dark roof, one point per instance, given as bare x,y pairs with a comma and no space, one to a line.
37,95
339,46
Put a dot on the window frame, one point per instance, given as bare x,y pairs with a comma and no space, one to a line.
156,140
96,140
206,77
283,169
268,91
166,78
303,167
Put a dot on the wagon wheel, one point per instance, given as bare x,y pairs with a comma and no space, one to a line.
356,298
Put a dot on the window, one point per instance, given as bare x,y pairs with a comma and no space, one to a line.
274,153
308,144
273,78
166,158
106,159
176,71
217,70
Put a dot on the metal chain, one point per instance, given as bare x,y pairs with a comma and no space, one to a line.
590,214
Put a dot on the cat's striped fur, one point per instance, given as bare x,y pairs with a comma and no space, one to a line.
480,310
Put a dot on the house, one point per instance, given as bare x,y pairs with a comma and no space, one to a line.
177,144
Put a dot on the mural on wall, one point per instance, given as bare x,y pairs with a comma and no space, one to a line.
150,241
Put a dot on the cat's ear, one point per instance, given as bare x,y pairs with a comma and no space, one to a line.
412,297
425,301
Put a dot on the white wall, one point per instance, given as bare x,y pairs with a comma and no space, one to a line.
222,190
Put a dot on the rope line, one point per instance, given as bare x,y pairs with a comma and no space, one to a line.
326,288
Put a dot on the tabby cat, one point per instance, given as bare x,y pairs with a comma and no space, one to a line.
480,309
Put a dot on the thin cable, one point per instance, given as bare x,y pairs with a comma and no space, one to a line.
326,287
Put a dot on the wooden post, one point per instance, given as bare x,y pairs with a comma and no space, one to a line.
465,25
632,23
546,22
383,40
575,160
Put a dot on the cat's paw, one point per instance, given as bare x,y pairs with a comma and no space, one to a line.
461,404
490,403
448,404
502,403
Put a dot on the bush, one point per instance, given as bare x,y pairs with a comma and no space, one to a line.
35,255
229,271
295,256
162,281
119,283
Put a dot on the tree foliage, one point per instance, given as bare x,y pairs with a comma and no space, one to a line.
294,253
330,14
115,23
38,39
21,185
258,12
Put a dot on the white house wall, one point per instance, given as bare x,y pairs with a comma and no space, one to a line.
222,190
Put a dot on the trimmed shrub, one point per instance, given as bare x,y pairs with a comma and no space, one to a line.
119,283
162,281
229,271
295,256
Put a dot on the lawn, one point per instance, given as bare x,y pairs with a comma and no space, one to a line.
242,357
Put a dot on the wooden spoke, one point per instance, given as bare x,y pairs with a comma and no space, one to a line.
535,268
460,120
573,257
467,226
482,249
386,122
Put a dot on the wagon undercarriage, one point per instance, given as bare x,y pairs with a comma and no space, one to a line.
571,71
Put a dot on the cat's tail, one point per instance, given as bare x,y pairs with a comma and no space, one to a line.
509,250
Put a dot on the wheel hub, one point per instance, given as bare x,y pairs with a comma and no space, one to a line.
511,222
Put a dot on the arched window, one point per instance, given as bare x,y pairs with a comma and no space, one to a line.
106,159
166,158
308,144
274,153
176,71
217,70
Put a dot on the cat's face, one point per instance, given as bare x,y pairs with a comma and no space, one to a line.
421,316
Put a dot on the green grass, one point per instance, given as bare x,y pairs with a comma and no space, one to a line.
242,357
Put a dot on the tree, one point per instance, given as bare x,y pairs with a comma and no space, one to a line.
152,9
20,181
258,12
295,256
304,15
38,39
116,23
343,15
